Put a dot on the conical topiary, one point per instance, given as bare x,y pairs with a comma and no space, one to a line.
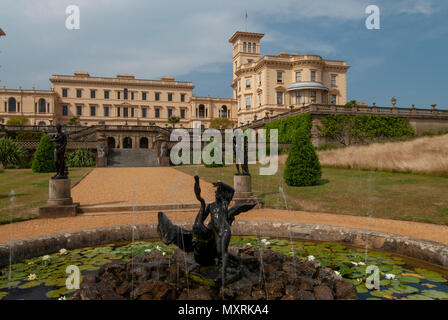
43,157
302,166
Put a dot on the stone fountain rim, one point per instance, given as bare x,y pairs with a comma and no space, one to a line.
428,251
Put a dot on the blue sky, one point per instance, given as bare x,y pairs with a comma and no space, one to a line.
406,58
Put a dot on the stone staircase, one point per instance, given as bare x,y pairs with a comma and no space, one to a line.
132,158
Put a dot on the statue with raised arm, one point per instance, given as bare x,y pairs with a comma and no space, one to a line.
60,143
209,243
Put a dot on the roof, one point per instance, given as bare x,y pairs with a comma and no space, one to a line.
247,34
307,85
2,33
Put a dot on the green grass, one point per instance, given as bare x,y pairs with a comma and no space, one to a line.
31,191
400,196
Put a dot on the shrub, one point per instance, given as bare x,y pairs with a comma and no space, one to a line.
288,127
302,166
11,153
80,158
221,123
17,121
327,146
28,135
43,157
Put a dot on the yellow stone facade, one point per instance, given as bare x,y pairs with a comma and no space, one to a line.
262,86
269,85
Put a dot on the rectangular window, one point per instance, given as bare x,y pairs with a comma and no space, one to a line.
125,94
239,104
143,95
64,110
92,111
132,113
118,95
79,110
170,97
144,112
78,93
313,96
333,80
313,75
132,95
106,94
157,113
126,112
170,113
298,97
248,102
247,83
279,77
333,99
279,97
259,80
259,99
182,113
92,94
182,97
64,93
106,111
118,112
157,97
298,76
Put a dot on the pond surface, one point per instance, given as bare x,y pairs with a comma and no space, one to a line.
45,277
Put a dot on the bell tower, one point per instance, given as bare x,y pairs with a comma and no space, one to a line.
246,48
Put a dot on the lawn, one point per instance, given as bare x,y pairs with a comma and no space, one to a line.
399,196
31,191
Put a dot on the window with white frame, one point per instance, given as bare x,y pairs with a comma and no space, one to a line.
248,83
259,80
333,80
248,102
279,76
298,76
333,99
279,97
259,99
313,75
313,96
298,97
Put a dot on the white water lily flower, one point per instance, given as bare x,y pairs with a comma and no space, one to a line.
158,248
163,253
390,276
359,280
354,263
62,298
30,262
263,240
361,263
311,258
147,250
267,243
32,277
46,257
249,244
337,273
63,251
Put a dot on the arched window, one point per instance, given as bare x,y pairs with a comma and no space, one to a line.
42,124
127,143
201,111
42,105
12,105
144,143
223,112
111,142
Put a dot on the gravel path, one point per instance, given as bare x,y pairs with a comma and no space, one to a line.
152,185
39,227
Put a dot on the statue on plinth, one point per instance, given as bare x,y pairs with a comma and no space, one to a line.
244,163
209,243
60,143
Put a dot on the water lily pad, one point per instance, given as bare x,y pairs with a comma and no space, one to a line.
361,288
436,294
58,292
431,275
418,297
401,289
407,279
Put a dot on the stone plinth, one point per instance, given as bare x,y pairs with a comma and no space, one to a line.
60,203
243,190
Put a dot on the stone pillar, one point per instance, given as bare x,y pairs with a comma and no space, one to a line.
60,203
243,190
102,151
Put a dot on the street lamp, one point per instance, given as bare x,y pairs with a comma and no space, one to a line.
394,101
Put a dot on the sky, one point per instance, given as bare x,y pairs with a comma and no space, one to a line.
406,58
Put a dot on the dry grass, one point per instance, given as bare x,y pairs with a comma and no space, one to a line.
426,155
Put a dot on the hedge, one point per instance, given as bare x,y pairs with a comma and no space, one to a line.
288,127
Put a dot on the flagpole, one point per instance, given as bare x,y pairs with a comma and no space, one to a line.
245,20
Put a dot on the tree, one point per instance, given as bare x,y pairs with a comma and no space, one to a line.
173,120
74,121
351,103
17,121
80,158
43,157
221,123
11,153
302,166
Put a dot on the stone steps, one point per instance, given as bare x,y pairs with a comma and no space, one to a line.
132,158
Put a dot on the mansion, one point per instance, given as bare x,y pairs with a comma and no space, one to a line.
262,86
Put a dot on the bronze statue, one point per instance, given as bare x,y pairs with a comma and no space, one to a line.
209,243
60,143
244,165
